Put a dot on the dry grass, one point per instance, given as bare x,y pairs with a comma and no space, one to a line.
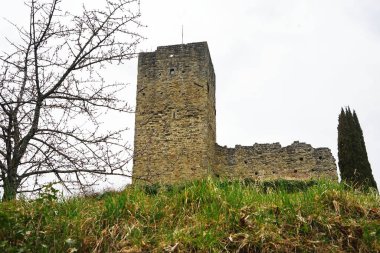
204,216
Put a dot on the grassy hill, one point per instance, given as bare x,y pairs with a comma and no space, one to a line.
204,216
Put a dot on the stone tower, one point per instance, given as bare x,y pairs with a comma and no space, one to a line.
175,127
175,114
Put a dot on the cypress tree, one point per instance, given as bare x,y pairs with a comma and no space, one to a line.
354,166
344,154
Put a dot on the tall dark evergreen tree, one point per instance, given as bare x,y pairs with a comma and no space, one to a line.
354,166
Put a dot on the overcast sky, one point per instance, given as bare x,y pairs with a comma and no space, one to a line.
283,68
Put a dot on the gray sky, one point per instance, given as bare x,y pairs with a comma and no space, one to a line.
283,68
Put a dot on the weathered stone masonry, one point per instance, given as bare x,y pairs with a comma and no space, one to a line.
175,129
267,161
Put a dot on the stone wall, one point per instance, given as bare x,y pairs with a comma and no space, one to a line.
271,161
175,113
175,129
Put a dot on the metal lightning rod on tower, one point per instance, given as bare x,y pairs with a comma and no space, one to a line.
182,34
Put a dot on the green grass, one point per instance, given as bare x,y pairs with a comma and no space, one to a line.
203,216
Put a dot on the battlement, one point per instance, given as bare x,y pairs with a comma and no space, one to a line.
200,47
179,50
175,128
180,59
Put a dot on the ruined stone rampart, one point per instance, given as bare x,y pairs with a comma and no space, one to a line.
271,161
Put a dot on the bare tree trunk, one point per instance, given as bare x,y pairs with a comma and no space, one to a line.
11,185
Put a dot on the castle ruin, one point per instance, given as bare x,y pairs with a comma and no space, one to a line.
175,127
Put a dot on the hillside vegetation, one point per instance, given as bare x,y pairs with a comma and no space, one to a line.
203,216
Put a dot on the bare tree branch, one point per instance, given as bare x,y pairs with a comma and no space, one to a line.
52,97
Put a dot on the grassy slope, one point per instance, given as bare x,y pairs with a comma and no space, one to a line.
205,216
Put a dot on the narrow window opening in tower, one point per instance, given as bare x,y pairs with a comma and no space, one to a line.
295,171
171,71
173,115
301,158
208,87
320,158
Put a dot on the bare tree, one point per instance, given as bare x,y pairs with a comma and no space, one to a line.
52,96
